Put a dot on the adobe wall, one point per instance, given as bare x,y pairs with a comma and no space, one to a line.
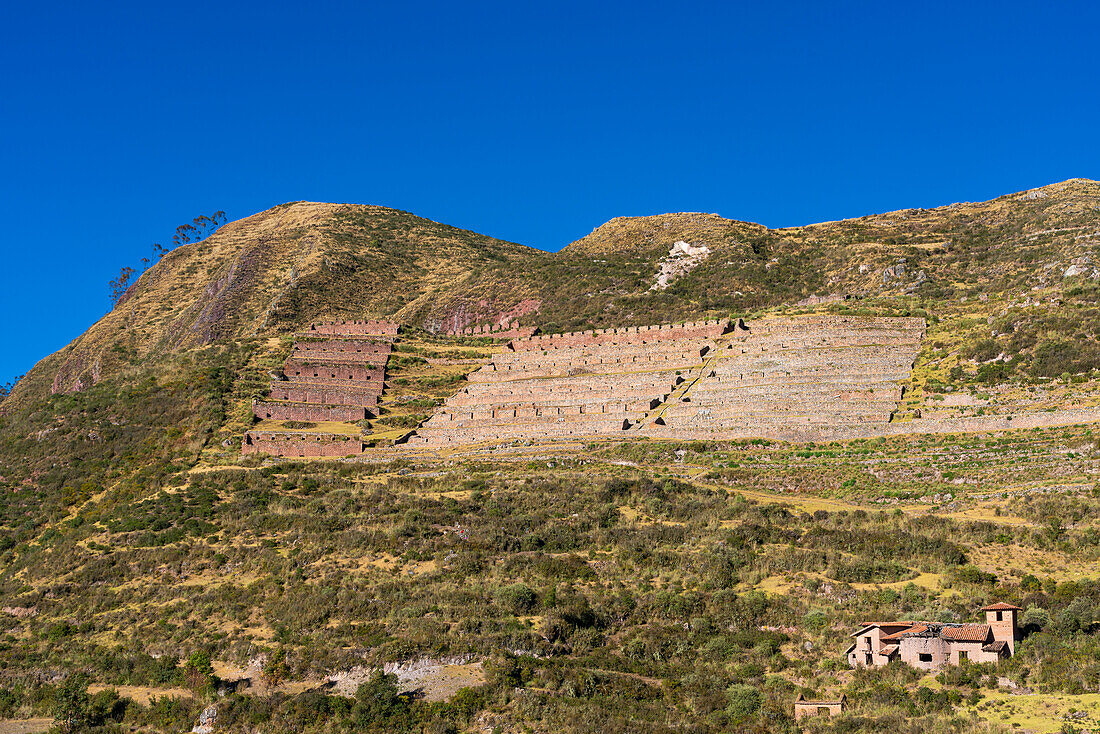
267,410
300,444
355,328
913,647
810,709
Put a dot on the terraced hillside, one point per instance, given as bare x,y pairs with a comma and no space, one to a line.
574,385
803,378
277,271
893,417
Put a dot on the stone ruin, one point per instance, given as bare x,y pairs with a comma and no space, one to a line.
335,372
580,384
802,378
354,328
505,330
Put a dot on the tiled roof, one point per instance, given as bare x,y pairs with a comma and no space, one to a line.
1000,607
888,650
966,632
996,647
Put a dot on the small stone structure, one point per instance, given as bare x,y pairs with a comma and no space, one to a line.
804,708
932,645
336,372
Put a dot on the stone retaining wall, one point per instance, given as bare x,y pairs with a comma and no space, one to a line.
591,389
304,392
334,373
805,432
624,335
300,444
276,411
356,350
497,331
804,374
818,373
355,328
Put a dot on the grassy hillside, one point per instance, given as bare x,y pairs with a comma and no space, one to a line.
634,586
276,271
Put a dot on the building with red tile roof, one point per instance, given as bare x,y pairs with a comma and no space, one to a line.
931,645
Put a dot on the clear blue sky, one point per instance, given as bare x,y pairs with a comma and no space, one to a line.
533,122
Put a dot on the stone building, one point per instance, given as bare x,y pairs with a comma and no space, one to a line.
804,708
932,645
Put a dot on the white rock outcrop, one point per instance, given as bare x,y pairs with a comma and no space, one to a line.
681,260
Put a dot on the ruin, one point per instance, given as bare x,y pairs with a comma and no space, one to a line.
355,328
790,378
335,373
932,645
563,386
280,443
506,330
804,708
800,378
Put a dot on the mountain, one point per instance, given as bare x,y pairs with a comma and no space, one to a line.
151,575
276,271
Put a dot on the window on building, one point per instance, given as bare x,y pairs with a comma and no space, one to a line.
924,657
963,655
999,618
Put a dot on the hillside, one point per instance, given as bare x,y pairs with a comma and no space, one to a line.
149,572
276,271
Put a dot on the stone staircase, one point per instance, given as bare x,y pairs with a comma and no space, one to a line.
656,414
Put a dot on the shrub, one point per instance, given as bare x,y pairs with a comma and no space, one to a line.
744,702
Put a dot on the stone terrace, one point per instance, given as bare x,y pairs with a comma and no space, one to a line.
335,372
563,386
802,377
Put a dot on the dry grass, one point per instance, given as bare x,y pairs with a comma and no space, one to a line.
1042,713
24,726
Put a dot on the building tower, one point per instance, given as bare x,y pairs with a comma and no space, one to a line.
1002,620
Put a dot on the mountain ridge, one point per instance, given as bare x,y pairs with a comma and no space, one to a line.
277,270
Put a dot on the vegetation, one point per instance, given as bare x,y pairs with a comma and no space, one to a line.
148,571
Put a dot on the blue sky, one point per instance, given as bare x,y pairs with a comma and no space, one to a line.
533,122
